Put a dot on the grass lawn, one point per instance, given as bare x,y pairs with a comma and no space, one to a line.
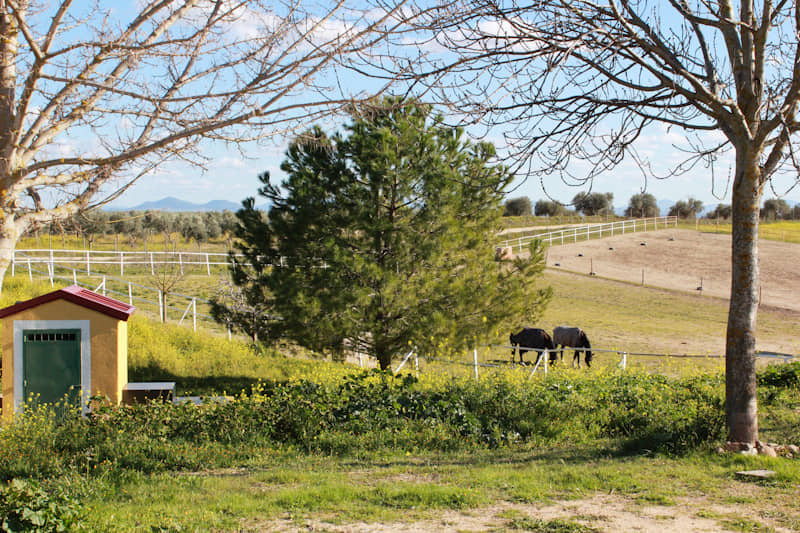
497,490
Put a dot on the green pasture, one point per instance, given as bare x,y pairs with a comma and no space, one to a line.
292,489
783,230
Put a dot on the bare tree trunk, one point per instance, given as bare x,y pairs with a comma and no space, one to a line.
10,232
741,406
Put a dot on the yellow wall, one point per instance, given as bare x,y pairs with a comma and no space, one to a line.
109,348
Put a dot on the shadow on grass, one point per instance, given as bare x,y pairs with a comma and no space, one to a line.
193,385
509,456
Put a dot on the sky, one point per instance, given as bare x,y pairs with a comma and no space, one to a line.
233,175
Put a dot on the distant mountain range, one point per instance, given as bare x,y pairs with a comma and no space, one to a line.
176,204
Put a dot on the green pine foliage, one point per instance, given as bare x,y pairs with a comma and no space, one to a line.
382,238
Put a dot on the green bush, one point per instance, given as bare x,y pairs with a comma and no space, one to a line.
25,506
783,376
371,411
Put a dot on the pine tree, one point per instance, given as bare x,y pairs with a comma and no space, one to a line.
383,238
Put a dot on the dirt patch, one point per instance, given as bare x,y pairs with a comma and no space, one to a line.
607,513
683,260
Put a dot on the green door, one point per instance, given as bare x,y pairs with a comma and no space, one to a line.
51,365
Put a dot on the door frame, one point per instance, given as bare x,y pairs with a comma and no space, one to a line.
86,356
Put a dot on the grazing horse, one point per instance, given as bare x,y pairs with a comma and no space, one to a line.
566,337
532,339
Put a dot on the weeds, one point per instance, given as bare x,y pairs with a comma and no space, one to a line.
535,525
26,506
368,410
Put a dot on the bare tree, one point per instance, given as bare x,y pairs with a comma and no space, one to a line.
93,97
575,83
166,278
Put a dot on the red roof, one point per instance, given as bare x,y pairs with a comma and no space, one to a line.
77,295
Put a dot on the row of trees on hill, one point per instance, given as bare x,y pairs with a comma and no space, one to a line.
138,226
642,205
588,204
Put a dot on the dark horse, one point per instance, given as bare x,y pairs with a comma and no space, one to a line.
532,339
566,337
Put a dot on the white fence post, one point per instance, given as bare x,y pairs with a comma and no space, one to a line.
208,266
88,263
624,363
535,367
161,302
475,361
130,294
122,263
409,354
180,261
194,313
152,267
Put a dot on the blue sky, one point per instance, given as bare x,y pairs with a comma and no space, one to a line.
232,175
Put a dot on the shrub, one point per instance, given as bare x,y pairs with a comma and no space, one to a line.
784,376
25,506
371,410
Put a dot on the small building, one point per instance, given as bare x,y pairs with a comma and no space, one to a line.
72,341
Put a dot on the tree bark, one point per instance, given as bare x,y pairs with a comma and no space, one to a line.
741,407
10,231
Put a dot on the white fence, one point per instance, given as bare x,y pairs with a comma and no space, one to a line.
96,261
104,262
592,231
173,306
542,363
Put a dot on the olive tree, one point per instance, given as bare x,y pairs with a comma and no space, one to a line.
642,205
516,207
686,208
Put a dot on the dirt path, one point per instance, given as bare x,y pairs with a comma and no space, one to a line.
607,513
683,260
